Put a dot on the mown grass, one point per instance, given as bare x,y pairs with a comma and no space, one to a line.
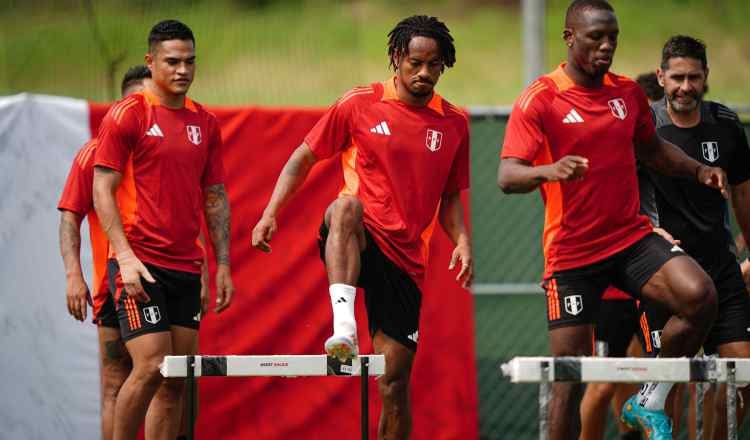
296,52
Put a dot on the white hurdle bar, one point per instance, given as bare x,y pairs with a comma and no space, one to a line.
544,370
192,367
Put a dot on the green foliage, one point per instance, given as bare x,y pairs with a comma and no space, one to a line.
304,52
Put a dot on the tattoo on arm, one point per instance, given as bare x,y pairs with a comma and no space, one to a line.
70,241
218,220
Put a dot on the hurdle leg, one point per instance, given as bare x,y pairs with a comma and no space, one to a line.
365,406
190,384
700,394
544,398
731,401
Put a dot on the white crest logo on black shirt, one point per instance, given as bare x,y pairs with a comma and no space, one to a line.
618,108
574,304
710,151
194,134
434,139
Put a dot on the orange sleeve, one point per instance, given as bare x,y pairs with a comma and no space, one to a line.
524,136
118,134
332,132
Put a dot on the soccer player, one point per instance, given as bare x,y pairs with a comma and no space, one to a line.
405,154
77,203
574,133
711,134
159,160
616,327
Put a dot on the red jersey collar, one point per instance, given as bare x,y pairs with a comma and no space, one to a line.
389,93
564,82
152,99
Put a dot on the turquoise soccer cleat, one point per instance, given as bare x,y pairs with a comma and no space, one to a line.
654,424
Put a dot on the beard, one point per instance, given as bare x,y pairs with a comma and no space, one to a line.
685,106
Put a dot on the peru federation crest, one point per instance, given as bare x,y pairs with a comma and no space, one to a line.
194,134
574,304
152,314
710,151
618,108
433,140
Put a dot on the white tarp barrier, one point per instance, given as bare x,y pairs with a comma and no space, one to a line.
49,369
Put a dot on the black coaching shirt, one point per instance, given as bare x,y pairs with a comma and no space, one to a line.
690,211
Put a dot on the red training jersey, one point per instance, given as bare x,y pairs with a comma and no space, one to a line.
590,219
166,156
77,197
399,160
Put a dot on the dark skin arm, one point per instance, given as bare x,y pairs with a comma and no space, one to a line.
668,159
291,178
519,176
76,290
216,209
451,216
741,207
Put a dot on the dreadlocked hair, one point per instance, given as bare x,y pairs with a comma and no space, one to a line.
421,26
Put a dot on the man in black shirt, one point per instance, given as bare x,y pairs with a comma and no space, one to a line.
696,216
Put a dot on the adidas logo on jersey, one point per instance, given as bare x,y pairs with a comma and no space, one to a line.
155,131
414,336
572,117
381,128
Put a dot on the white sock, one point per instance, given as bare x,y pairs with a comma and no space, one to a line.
342,301
653,394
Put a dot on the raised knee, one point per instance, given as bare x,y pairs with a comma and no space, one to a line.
347,208
701,301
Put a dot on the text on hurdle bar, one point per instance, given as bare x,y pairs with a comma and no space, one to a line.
270,365
625,370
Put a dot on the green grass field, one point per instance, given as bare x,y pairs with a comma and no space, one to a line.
295,52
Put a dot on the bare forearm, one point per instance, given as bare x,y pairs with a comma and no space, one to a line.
291,178
105,186
514,177
218,216
451,218
70,243
668,159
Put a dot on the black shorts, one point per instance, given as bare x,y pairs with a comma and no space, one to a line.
574,295
392,298
732,322
175,300
616,324
105,314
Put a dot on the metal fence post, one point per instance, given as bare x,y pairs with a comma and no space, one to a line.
731,401
544,398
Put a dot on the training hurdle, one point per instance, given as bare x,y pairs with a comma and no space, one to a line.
193,367
544,370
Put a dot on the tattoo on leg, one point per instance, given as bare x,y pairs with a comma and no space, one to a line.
114,351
